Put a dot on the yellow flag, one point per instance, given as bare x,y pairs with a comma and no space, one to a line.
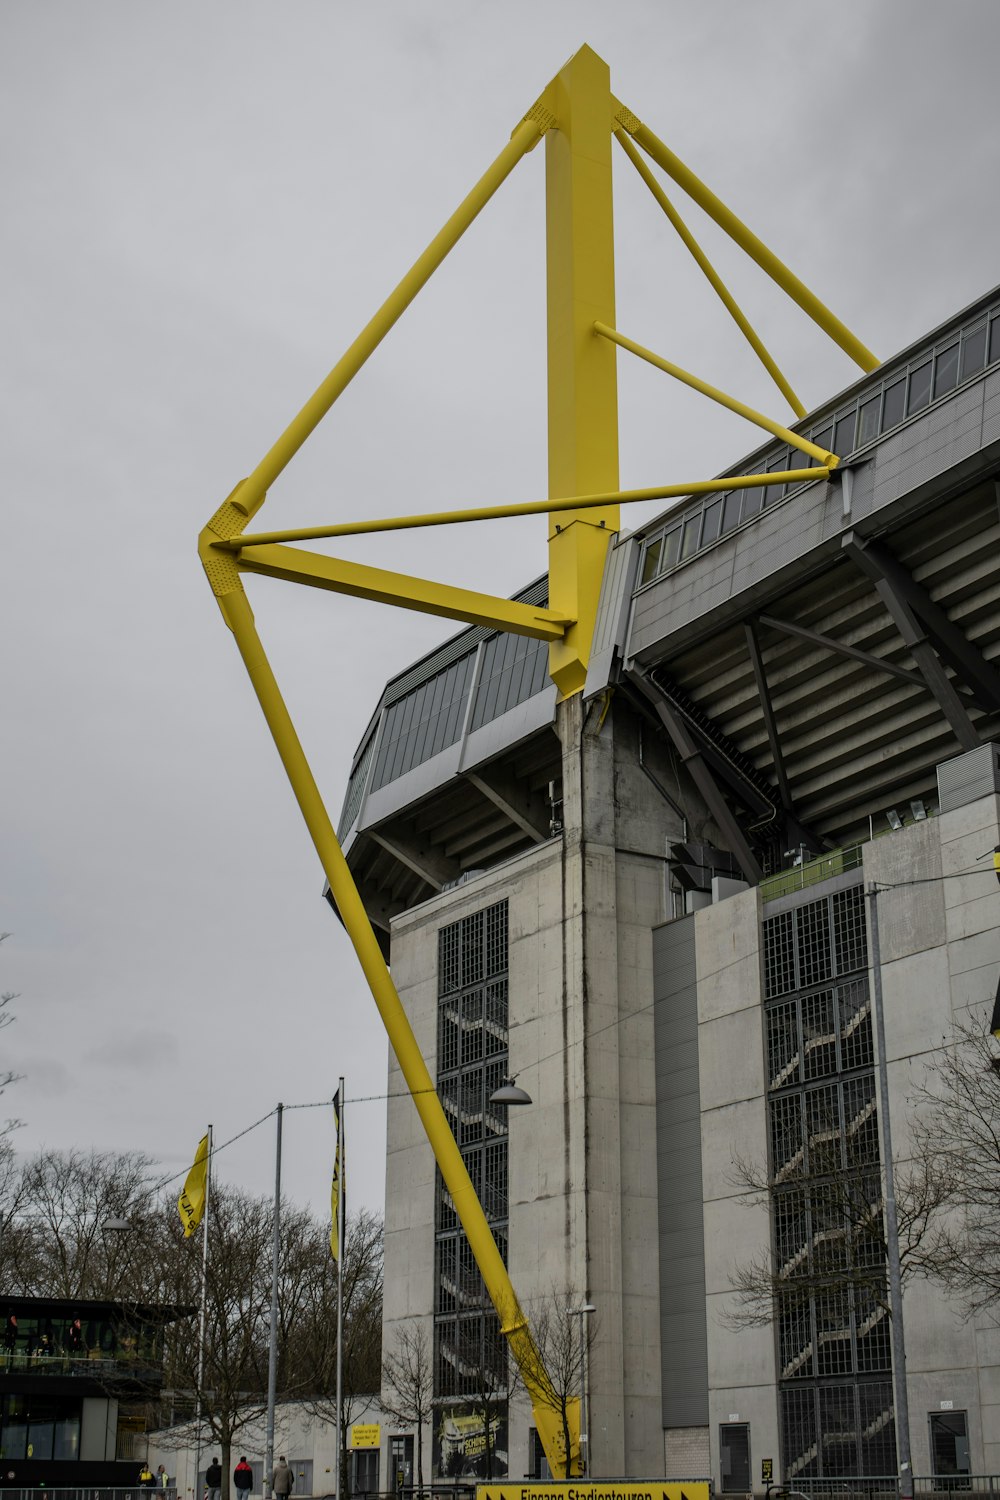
336,1187
191,1203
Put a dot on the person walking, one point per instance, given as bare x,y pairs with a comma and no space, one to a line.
243,1478
161,1478
213,1480
147,1478
283,1478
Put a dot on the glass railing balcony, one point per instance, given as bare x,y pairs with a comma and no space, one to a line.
92,1364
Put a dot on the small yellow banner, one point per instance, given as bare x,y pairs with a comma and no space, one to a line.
191,1203
366,1434
336,1185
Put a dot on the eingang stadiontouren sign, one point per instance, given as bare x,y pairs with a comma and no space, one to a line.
689,1489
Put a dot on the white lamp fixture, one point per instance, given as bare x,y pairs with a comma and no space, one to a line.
509,1093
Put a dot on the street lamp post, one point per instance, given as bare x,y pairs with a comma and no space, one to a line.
583,1313
896,1331
113,1230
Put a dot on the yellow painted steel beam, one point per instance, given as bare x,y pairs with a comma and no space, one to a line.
525,508
711,274
582,374
363,582
239,617
740,407
745,238
577,113
250,494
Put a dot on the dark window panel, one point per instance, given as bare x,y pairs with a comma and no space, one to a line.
753,503
689,545
892,407
671,548
777,466
823,439
920,388
651,560
732,505
843,434
973,351
868,419
540,672
712,523
946,370
994,339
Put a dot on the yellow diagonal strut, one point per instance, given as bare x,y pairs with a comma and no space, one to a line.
577,114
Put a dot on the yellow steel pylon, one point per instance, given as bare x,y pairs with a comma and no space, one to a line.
578,115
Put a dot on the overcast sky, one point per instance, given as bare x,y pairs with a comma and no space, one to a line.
202,205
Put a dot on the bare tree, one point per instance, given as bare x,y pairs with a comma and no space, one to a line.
233,1389
554,1379
362,1316
408,1384
957,1135
830,1233
61,1248
7,1018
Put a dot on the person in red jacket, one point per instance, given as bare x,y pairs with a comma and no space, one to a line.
243,1478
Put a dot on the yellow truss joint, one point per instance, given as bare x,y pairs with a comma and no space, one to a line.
219,563
363,582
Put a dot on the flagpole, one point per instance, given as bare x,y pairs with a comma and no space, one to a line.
340,1288
272,1348
201,1316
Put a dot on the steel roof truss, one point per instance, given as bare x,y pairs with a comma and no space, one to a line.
701,774
898,600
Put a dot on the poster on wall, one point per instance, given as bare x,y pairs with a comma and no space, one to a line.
470,1443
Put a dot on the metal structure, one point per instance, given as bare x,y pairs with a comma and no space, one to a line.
577,115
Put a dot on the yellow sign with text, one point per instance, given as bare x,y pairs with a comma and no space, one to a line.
366,1434
585,1489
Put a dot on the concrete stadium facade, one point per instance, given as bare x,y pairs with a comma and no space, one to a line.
648,903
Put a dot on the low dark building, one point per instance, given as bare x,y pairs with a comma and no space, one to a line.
78,1381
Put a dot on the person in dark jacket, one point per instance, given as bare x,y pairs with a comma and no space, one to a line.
243,1477
213,1480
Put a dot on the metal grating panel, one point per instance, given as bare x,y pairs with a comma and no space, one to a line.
969,777
472,1063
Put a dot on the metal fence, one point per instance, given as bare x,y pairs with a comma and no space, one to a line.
812,872
88,1492
887,1487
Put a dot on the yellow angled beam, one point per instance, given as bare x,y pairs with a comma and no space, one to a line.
739,407
249,497
363,582
524,508
714,279
746,239
345,893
